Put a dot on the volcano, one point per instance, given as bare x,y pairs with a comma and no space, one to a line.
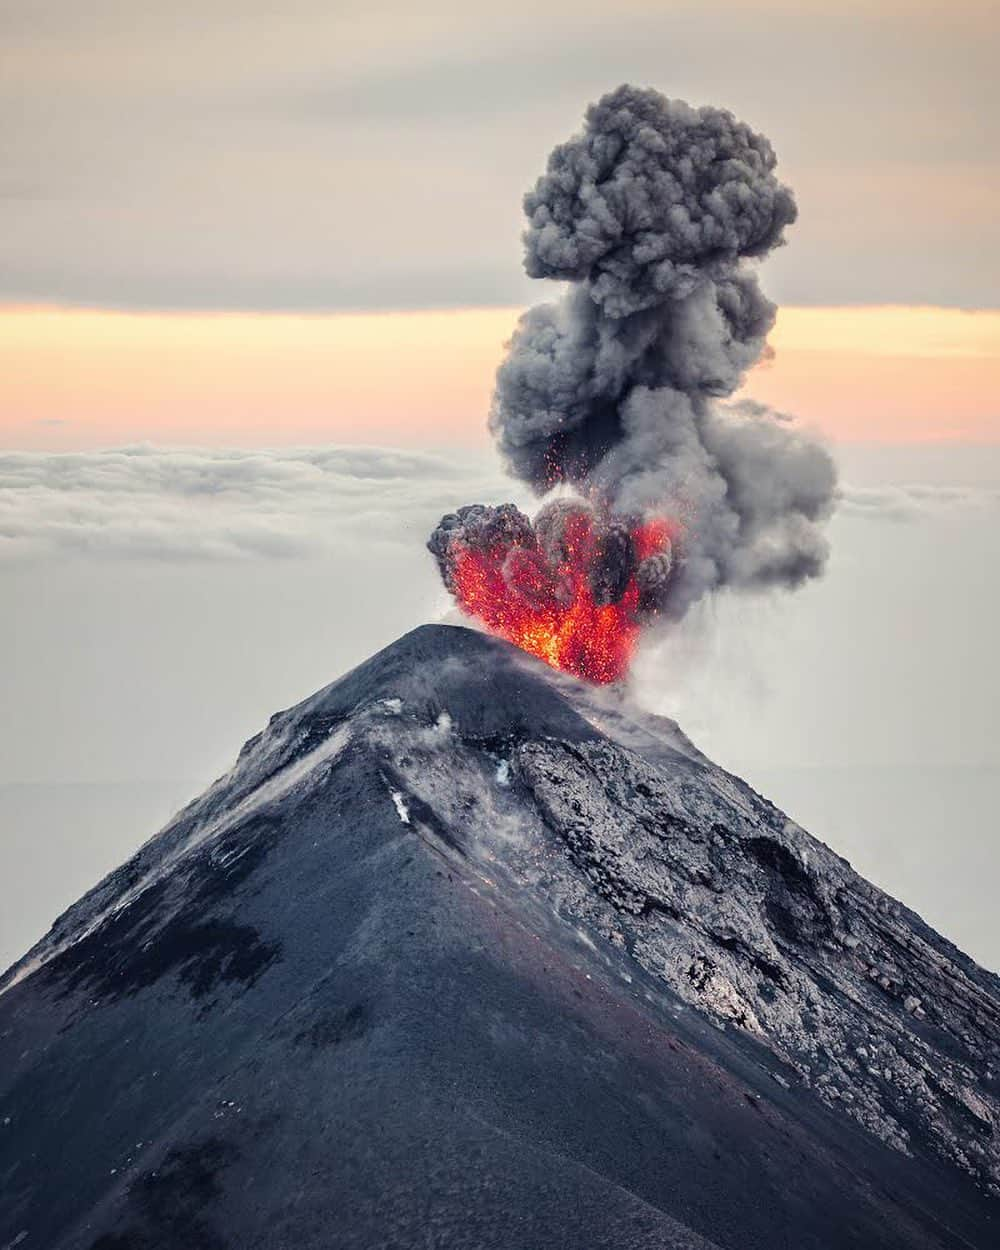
465,953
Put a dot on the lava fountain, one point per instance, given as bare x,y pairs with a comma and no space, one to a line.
573,588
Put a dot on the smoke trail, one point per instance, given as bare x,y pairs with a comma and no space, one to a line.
653,214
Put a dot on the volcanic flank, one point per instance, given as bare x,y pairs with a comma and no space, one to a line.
653,215
463,952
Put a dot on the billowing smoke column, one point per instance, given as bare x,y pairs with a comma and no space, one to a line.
651,213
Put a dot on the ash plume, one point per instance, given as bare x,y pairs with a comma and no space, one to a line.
653,214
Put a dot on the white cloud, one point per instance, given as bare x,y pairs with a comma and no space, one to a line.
183,504
197,504
910,502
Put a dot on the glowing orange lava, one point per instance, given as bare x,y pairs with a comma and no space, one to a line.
550,611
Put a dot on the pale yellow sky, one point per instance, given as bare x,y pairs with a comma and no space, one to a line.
78,379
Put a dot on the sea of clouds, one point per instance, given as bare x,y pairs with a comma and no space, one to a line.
148,502
151,502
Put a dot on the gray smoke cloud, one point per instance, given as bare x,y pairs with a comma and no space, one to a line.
654,213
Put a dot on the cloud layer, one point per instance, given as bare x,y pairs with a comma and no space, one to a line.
911,502
183,504
180,504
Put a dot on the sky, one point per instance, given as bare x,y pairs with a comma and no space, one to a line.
257,269
324,155
73,379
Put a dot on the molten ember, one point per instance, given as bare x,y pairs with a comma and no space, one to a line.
573,589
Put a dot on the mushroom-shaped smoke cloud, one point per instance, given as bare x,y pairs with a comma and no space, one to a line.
652,213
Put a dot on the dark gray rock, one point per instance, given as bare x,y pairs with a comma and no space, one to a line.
462,953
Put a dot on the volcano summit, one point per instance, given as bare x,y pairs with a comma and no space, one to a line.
463,952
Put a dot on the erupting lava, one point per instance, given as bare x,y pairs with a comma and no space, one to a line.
653,215
573,593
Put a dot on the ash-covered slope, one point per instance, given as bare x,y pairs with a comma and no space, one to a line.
462,953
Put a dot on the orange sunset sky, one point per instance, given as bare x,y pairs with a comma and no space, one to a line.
78,378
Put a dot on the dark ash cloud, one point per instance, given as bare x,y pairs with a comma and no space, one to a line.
653,213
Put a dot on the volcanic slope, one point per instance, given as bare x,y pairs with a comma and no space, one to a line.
462,953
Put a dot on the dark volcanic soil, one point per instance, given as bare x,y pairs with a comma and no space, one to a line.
463,954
